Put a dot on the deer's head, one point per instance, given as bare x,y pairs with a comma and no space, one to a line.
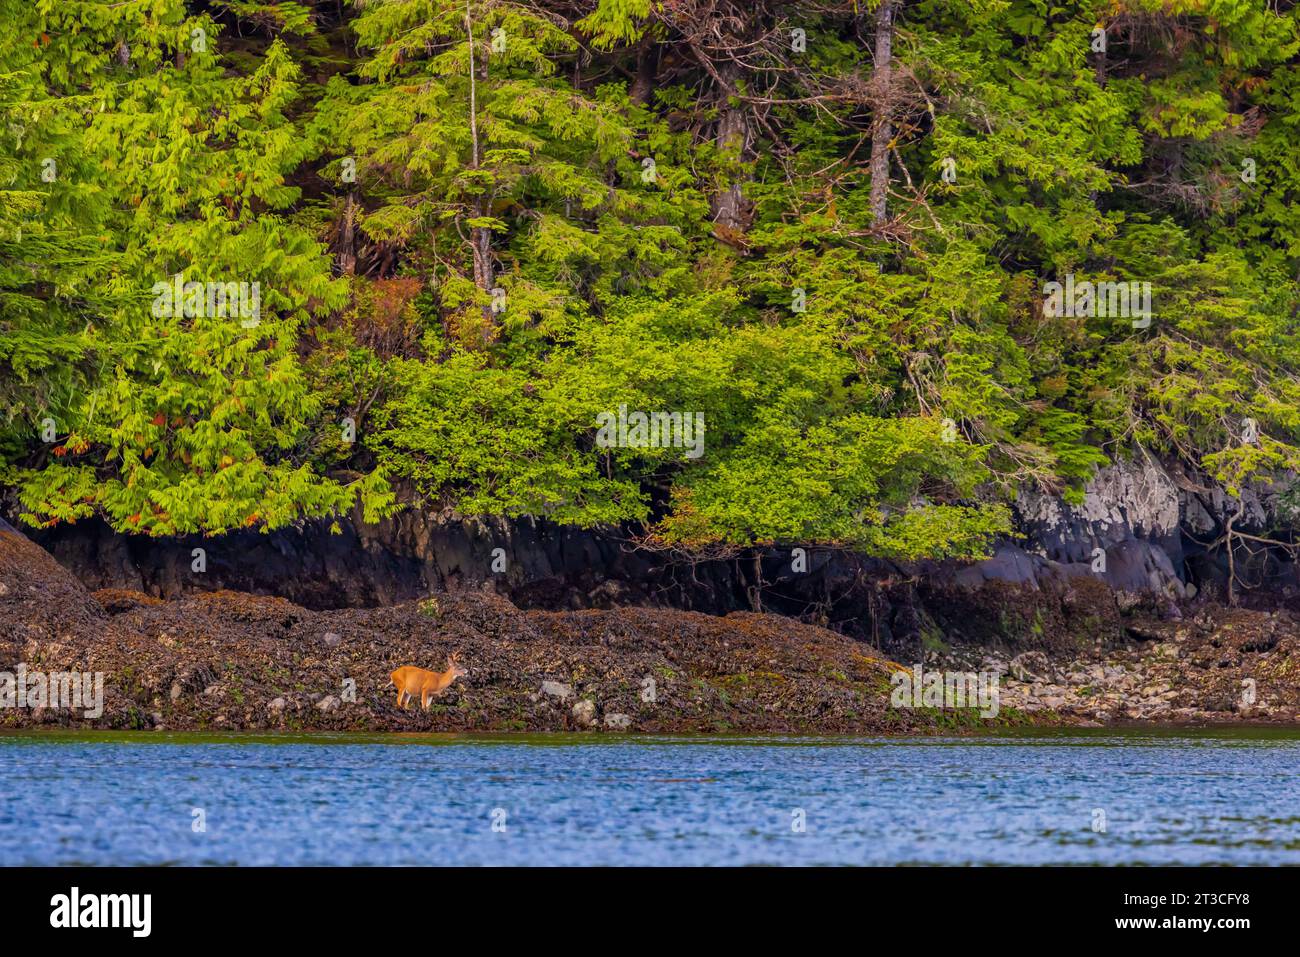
454,666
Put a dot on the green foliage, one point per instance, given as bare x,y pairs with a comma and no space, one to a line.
473,239
168,423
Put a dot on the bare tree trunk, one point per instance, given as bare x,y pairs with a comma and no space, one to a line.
1100,74
480,236
481,243
882,127
732,138
347,254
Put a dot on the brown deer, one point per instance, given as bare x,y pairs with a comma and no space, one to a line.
411,681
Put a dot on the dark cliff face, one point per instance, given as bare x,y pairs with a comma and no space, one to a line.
231,661
1138,539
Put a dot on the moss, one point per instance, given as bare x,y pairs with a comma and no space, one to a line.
932,636
746,678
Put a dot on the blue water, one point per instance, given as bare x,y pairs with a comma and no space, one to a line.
1167,799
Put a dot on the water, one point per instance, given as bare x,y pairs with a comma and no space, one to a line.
421,799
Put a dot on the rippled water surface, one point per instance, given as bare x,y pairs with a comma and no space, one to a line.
1095,799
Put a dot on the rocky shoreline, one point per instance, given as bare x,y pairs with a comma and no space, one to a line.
231,661
1220,665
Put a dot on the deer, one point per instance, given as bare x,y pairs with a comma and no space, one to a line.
411,681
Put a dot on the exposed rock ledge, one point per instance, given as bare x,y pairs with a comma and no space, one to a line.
232,661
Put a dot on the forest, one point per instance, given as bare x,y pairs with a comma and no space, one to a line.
891,260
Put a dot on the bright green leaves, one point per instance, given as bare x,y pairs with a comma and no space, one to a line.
176,422
475,229
851,480
615,23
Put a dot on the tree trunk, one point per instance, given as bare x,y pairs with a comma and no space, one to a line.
1100,74
882,128
643,83
481,244
732,138
480,237
347,254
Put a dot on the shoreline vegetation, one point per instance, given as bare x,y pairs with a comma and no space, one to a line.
962,333
725,276
231,662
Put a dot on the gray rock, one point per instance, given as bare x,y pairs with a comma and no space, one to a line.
276,706
327,704
584,712
332,639
177,690
618,722
1030,665
557,689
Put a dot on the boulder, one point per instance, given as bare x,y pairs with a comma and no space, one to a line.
584,712
618,722
557,689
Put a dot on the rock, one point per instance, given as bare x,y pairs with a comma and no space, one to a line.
557,689
276,706
332,639
327,704
177,690
1029,665
584,712
618,722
